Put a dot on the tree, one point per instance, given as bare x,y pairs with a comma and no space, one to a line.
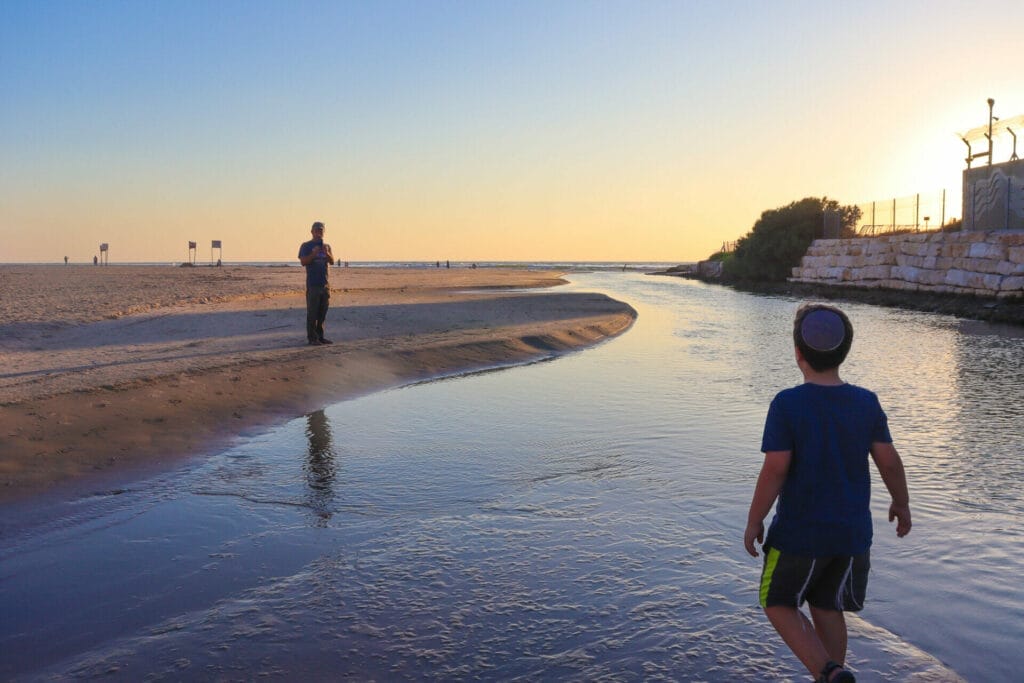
780,238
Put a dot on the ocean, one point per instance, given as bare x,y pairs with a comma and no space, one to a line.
571,266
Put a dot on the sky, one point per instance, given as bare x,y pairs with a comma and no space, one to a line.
477,131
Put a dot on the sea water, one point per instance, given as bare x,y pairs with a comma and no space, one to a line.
578,519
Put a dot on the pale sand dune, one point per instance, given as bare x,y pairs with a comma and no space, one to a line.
116,368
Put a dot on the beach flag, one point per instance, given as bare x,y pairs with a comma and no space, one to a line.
191,245
215,245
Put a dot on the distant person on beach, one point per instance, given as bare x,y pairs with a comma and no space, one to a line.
816,442
95,260
316,255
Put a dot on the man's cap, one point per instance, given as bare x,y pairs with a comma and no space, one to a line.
318,224
823,330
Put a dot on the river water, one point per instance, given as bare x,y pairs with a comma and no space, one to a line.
578,519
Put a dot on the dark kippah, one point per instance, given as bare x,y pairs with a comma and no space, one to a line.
823,330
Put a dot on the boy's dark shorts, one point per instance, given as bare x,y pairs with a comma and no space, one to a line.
838,582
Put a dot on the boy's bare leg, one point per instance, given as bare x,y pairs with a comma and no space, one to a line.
831,627
801,637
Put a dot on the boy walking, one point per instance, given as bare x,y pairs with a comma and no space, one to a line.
816,442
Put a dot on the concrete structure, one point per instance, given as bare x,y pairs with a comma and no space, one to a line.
994,197
981,263
709,269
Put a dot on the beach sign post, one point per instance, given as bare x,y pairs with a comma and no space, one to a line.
104,254
192,252
215,244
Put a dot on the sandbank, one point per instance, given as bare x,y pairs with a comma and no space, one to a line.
122,369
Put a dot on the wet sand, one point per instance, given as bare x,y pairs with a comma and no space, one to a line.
125,369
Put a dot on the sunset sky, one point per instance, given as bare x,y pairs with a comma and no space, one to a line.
514,131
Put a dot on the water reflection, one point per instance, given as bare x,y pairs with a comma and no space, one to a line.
989,366
320,467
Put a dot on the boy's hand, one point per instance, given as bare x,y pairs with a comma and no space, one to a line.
752,533
901,513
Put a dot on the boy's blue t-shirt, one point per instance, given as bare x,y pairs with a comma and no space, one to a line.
824,506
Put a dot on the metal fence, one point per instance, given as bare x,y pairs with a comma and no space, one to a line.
922,211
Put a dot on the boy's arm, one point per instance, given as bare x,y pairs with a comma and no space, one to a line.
890,466
769,483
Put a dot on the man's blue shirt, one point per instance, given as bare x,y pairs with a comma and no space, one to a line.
316,272
824,506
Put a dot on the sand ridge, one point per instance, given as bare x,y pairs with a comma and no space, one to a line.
124,368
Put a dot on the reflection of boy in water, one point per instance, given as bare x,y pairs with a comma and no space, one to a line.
816,441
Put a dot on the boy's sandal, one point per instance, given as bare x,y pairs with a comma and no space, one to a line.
843,676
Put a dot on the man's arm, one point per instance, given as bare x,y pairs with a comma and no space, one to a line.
309,256
890,466
329,254
769,483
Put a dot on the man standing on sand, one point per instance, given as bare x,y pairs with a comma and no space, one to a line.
315,255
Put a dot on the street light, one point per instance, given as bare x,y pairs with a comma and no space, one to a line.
991,103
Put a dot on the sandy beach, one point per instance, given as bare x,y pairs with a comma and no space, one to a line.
118,369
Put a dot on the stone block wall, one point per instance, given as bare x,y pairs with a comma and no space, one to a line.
979,263
709,269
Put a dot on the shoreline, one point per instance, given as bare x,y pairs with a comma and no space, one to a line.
988,309
126,380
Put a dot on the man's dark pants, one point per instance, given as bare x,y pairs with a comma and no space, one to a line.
318,298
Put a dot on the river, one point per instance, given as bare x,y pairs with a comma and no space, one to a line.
574,519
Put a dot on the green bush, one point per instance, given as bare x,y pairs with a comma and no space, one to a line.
780,238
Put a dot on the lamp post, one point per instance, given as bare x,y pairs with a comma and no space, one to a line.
991,103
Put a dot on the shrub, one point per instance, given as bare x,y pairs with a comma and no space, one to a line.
780,238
